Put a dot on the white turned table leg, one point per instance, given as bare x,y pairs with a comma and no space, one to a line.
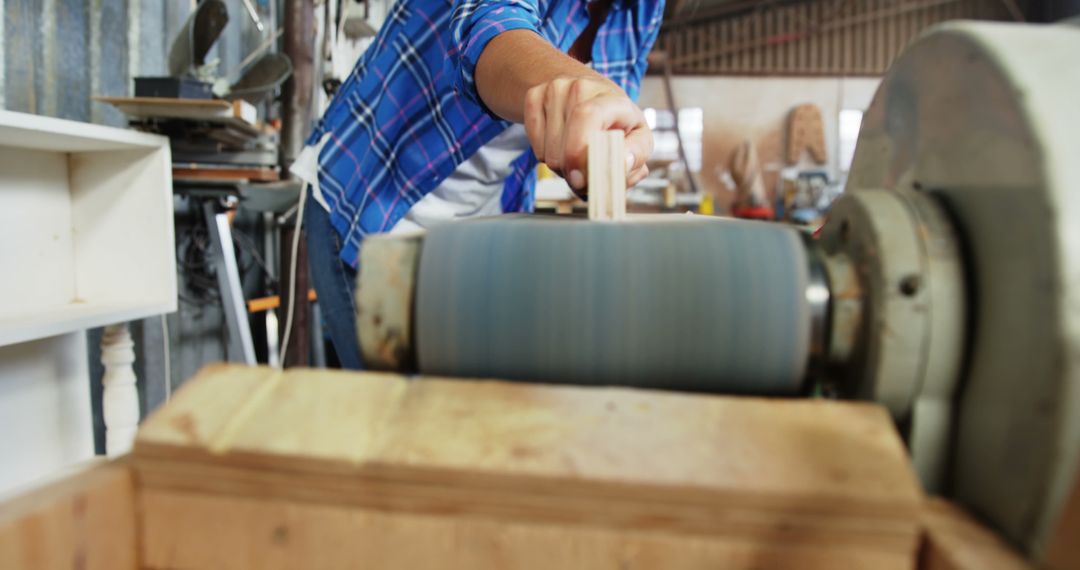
120,400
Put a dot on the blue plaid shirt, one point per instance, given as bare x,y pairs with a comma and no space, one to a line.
409,113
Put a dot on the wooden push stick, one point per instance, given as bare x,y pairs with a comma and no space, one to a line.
607,176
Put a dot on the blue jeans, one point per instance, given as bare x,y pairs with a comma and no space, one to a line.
335,283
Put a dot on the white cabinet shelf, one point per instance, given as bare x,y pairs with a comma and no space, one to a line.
86,232
86,240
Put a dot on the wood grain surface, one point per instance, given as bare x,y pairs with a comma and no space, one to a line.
84,522
607,176
377,450
195,530
955,541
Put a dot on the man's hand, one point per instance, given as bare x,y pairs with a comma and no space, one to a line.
560,114
524,79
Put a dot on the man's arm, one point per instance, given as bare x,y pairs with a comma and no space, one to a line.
523,78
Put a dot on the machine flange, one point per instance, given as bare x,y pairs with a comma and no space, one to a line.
907,349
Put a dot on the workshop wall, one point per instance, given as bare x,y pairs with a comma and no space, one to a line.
735,109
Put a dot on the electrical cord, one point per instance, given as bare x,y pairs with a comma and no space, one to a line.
244,243
193,256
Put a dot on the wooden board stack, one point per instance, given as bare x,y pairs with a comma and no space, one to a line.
255,468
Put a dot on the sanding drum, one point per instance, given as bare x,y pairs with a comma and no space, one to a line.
676,302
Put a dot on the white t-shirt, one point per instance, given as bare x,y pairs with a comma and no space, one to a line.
473,189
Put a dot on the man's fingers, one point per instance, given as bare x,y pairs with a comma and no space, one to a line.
554,105
636,176
562,113
535,120
596,114
639,143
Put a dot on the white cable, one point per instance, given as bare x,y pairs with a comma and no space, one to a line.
168,359
292,275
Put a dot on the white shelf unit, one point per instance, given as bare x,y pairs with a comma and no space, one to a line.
86,228
86,240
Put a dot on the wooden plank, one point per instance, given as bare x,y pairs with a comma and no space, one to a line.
617,178
200,531
598,177
828,474
607,175
86,521
539,430
237,173
955,541
239,114
196,415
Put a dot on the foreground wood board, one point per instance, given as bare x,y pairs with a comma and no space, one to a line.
477,471
955,541
1063,552
86,521
251,468
195,530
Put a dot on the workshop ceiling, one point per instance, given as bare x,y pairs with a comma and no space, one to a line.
682,10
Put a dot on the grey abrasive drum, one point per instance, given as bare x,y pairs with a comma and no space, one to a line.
686,303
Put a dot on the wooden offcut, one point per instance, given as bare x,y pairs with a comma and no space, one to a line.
481,474
806,133
209,172
607,175
745,168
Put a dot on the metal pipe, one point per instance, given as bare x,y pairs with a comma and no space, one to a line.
300,47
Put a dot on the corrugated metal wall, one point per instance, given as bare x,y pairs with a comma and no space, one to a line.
822,37
58,53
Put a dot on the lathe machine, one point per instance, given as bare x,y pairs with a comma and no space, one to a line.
945,284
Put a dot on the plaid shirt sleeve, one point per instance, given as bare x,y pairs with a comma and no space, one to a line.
473,24
648,21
